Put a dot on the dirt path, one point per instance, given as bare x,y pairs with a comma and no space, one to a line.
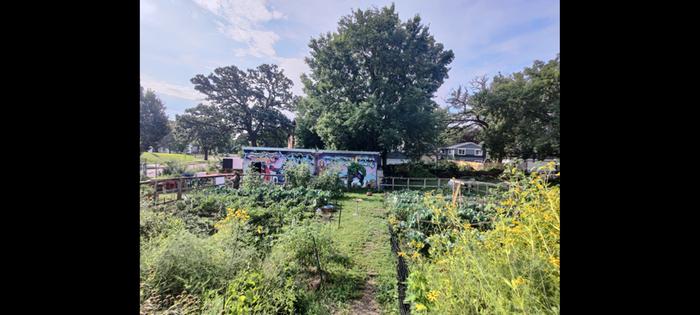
366,304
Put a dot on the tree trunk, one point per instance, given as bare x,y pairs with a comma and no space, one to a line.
206,153
253,141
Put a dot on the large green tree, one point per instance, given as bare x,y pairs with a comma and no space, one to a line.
251,101
519,114
371,85
153,122
171,142
205,126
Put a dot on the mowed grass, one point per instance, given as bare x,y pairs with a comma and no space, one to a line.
161,158
364,237
153,157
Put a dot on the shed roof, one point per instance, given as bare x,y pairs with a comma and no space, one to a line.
309,150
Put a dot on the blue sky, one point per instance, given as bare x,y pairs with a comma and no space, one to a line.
183,38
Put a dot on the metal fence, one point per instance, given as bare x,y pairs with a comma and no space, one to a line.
470,186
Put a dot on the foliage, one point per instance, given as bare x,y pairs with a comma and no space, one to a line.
255,293
174,168
181,261
298,175
442,169
154,224
329,181
518,114
153,120
512,267
204,126
371,84
251,101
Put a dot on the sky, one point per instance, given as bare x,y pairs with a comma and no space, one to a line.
182,38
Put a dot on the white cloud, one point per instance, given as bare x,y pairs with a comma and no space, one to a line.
293,68
179,91
241,21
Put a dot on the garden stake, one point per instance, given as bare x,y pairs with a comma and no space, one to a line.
318,261
340,214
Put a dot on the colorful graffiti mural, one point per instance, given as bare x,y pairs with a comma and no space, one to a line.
273,161
340,163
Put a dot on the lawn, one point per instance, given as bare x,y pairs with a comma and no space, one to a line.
161,158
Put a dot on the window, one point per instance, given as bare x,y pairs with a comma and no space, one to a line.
461,151
451,152
477,152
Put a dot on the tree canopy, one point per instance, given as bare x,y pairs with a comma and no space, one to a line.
518,114
250,102
153,121
371,85
205,126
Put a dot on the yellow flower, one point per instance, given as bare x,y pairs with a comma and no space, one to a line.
432,295
517,281
415,255
419,245
260,229
402,254
554,261
420,307
241,215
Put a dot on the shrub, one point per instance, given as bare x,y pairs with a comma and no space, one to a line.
156,223
251,180
174,168
329,181
298,175
181,261
184,262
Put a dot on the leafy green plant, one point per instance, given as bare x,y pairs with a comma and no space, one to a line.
174,168
297,175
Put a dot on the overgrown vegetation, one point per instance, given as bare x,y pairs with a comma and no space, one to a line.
508,264
442,169
252,251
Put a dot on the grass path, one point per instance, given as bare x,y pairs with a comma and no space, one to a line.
363,236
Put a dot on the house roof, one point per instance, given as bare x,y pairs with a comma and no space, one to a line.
454,146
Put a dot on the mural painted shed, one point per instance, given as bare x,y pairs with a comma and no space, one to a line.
273,161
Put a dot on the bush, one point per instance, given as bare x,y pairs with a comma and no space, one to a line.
251,181
298,175
330,182
184,262
181,261
155,223
174,168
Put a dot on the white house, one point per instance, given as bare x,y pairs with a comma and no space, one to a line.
466,151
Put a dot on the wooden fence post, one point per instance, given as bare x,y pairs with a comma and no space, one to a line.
155,191
392,184
179,189
408,183
424,179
